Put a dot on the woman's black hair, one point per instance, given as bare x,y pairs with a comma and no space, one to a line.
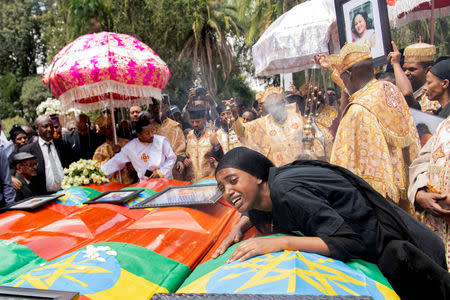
366,18
247,160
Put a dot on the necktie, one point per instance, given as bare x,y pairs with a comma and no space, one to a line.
53,163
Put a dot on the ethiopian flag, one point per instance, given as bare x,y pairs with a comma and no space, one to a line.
108,271
286,272
16,260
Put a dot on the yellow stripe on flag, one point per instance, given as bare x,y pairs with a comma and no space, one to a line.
129,286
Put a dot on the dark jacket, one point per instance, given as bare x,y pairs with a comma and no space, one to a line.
27,190
83,146
65,155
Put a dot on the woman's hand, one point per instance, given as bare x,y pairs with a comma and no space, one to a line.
257,246
234,237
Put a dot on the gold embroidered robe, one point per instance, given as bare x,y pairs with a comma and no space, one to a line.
281,143
174,133
431,170
228,140
199,150
374,138
325,119
104,152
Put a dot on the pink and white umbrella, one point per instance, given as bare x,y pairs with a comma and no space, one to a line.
106,69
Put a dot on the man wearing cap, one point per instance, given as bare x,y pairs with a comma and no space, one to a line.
376,138
279,134
26,169
418,61
203,149
164,126
226,135
108,149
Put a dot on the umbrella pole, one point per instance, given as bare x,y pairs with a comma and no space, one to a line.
111,109
432,23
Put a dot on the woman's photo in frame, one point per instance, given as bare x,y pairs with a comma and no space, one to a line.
362,24
365,21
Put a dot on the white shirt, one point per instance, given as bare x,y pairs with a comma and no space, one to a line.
143,157
52,179
8,146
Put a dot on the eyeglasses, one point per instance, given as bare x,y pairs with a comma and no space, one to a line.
29,165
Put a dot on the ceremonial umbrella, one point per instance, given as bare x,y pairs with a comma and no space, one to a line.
401,12
106,69
290,42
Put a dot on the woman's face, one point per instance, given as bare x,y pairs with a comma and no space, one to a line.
435,87
20,140
238,188
360,24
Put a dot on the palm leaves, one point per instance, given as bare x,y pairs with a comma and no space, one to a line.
208,43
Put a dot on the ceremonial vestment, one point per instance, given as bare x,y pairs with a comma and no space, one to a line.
105,152
431,171
228,139
199,150
281,143
156,156
377,139
174,133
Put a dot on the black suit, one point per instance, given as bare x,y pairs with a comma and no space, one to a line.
27,189
65,155
83,146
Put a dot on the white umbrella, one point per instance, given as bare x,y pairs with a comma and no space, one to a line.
291,41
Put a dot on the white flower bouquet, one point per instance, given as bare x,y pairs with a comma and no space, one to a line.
49,107
83,172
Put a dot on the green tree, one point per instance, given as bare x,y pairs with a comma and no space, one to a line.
33,92
208,41
257,15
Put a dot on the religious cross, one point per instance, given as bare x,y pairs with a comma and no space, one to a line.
144,157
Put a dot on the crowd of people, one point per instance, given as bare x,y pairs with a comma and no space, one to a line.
367,132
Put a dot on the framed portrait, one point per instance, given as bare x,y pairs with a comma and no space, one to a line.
33,202
182,196
8,292
361,21
115,197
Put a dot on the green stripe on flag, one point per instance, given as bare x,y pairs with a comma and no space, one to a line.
370,270
150,265
16,260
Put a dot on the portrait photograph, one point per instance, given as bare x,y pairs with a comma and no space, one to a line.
115,197
182,196
365,21
33,202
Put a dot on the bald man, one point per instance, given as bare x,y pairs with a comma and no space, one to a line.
51,157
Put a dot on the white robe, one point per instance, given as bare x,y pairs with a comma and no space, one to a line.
143,157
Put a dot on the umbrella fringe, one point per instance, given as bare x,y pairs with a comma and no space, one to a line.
82,97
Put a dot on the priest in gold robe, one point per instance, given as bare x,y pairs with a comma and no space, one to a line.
172,130
376,138
279,134
203,149
108,149
225,133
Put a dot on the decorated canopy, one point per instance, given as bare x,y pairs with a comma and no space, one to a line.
106,67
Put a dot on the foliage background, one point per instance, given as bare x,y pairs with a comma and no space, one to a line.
221,31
